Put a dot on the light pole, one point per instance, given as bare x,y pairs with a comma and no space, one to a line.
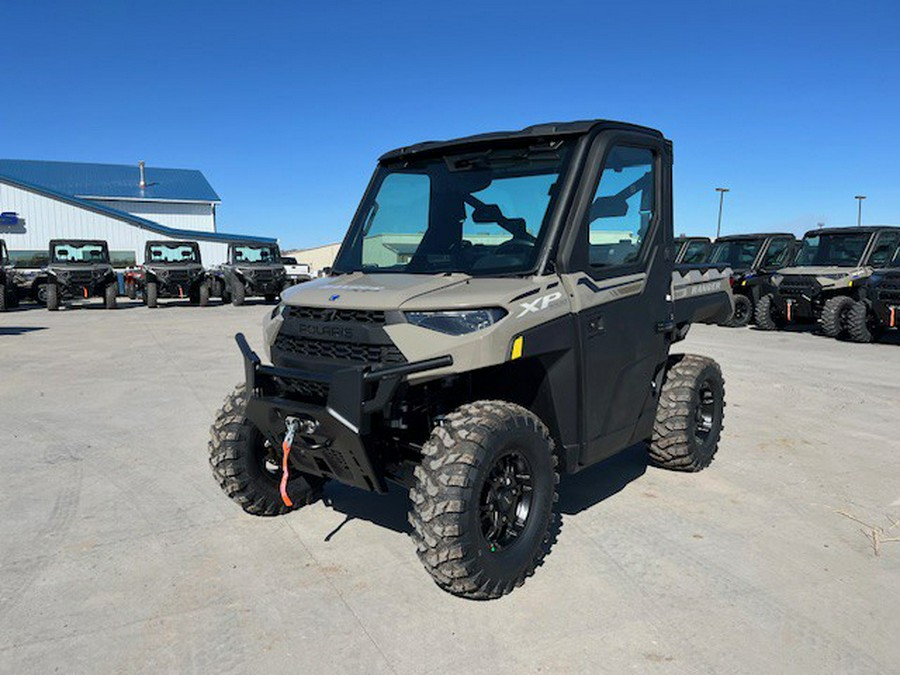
721,192
859,199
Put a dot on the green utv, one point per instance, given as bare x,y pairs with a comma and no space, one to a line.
8,290
752,258
878,308
500,312
80,269
824,281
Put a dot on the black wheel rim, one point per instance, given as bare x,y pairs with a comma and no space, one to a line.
506,500
705,413
741,309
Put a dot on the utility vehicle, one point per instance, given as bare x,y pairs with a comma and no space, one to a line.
252,269
501,311
878,308
171,269
823,282
691,250
752,258
8,291
80,268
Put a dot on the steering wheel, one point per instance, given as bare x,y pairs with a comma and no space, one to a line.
515,246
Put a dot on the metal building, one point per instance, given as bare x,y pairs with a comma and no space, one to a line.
125,205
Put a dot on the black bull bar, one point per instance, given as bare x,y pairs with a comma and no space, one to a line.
332,440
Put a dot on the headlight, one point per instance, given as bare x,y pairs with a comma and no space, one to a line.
834,276
279,310
776,278
457,322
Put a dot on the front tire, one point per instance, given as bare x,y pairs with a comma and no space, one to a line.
483,502
244,466
835,315
3,298
151,291
861,325
131,290
204,294
238,294
109,295
52,297
743,311
689,414
766,316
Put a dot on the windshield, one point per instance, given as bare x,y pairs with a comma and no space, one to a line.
738,253
832,249
480,213
251,254
695,252
173,253
79,252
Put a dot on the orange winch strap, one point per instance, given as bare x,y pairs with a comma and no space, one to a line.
286,448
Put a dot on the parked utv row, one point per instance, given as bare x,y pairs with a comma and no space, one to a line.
846,279
79,269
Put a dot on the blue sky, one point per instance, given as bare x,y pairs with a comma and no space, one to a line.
285,106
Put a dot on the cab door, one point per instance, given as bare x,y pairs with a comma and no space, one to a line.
618,271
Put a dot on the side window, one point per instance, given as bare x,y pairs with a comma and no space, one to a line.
776,255
695,253
884,249
622,208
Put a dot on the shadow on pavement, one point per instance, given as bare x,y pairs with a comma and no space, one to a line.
576,493
19,330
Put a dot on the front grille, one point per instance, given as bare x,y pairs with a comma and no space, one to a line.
328,314
797,286
338,351
310,390
178,276
80,278
262,275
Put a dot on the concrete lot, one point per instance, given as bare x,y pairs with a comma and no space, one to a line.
119,553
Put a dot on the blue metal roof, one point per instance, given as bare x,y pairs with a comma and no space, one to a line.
134,220
115,181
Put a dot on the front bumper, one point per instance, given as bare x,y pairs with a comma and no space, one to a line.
264,286
339,443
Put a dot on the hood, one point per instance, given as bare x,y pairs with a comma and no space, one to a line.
368,291
812,271
249,268
173,266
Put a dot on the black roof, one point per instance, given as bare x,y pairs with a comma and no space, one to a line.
867,229
685,237
548,130
754,235
99,242
171,242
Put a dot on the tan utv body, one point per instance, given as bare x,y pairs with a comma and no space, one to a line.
501,311
826,280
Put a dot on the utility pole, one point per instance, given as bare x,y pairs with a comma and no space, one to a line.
721,192
859,200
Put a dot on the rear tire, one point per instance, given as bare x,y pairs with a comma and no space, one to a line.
238,294
204,294
131,291
242,464
835,315
52,297
483,502
743,312
3,298
151,292
109,295
861,325
766,315
689,414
